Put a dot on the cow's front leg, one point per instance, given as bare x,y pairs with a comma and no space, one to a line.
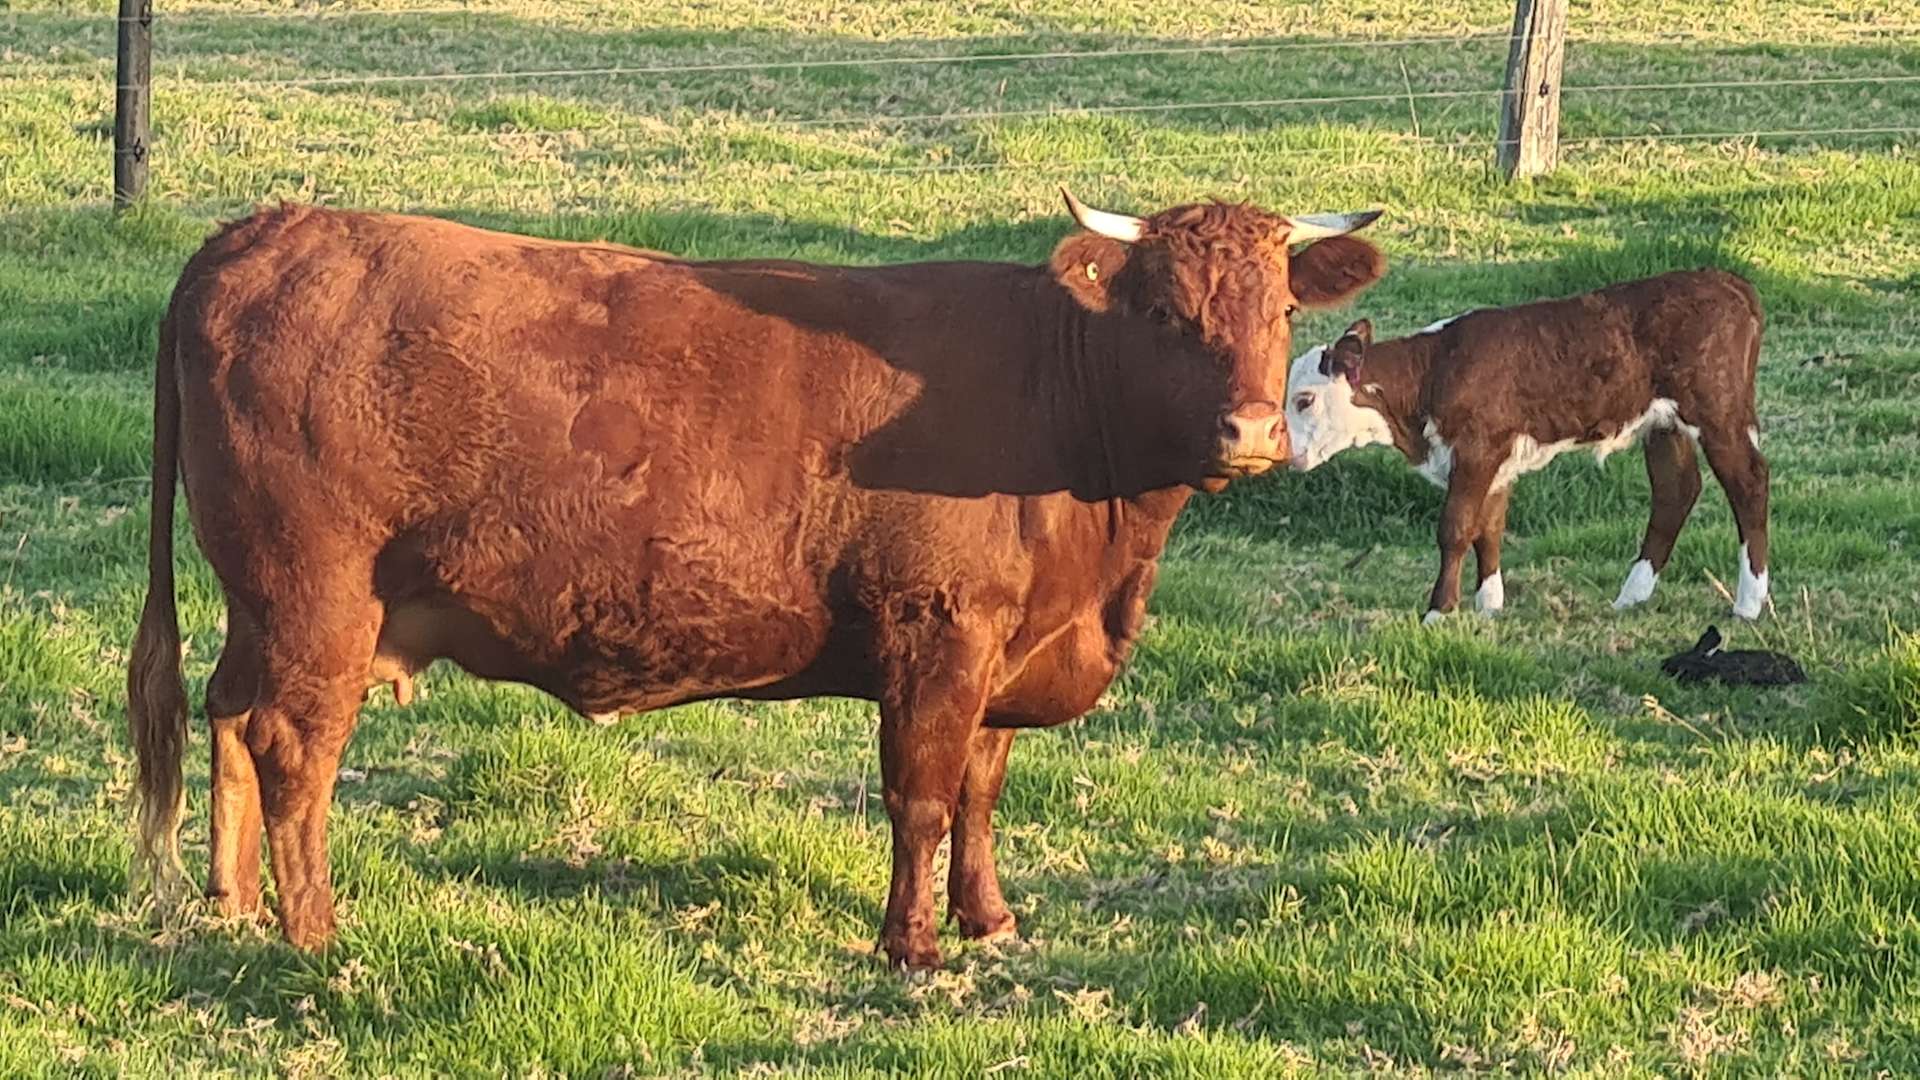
1460,522
973,885
927,722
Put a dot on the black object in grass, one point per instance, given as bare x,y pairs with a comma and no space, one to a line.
1753,667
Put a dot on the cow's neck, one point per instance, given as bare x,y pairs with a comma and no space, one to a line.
1394,385
1109,395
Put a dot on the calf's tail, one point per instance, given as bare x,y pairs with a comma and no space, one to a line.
156,693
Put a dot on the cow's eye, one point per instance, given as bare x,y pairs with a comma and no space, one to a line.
1291,308
1302,403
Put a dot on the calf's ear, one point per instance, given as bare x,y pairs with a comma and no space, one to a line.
1085,265
1333,271
1348,355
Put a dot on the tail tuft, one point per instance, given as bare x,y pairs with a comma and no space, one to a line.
156,692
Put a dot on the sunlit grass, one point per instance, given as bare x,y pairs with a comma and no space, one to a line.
1301,834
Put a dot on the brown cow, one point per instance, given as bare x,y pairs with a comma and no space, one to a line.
634,481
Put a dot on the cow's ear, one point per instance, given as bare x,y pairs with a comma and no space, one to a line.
1085,265
1333,271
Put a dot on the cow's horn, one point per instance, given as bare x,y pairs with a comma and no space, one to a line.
1321,226
1121,227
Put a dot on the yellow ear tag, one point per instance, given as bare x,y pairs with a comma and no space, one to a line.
1093,271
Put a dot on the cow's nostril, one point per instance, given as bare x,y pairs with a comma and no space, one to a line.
1255,421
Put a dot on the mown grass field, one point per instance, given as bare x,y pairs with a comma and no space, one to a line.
1301,836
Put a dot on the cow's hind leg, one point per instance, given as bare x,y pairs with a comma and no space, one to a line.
315,657
233,876
1491,596
1673,475
973,885
1460,521
1735,459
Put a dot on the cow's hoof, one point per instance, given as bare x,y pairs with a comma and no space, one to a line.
999,926
912,955
309,931
1432,617
235,907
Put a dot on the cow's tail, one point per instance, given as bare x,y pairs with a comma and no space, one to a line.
156,693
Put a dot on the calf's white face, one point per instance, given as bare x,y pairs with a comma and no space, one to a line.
1322,418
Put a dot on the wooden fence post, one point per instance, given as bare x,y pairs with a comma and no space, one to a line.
132,102
1530,108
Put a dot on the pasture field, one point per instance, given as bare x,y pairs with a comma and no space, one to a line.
1301,836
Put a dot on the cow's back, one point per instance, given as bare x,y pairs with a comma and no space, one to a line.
1632,341
626,478
606,461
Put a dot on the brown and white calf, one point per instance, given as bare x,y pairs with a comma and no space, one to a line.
1477,400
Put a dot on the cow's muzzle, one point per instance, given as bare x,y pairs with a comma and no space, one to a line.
1253,437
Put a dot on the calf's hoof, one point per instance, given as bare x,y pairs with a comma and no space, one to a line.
1432,616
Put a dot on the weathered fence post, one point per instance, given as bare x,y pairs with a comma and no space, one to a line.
132,102
1530,108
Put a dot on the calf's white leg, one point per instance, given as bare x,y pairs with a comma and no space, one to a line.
1673,479
1638,588
1744,476
1491,596
1751,598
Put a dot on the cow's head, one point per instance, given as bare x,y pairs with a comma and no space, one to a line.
1322,413
1227,279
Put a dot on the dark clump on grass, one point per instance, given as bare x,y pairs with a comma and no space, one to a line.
1708,659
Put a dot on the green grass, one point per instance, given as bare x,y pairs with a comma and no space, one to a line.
1301,835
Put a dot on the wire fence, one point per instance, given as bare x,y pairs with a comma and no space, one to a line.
1376,130
1074,111
640,146
1225,48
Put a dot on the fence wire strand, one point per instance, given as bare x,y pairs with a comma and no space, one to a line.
1241,156
1070,112
327,15
377,79
789,172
